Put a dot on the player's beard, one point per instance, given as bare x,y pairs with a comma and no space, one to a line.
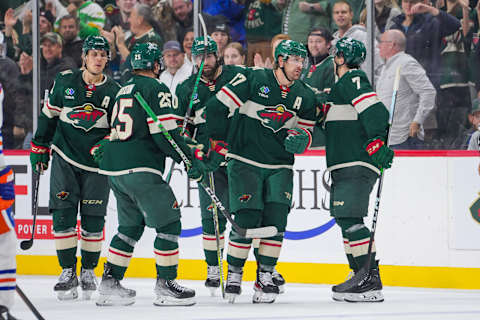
211,73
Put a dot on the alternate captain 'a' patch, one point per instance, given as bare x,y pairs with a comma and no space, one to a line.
275,117
85,117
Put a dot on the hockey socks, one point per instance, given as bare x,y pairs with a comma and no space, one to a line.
121,250
91,240
166,250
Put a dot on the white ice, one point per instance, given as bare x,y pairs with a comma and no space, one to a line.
300,301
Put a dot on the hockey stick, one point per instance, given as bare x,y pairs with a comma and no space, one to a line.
29,303
264,232
216,225
27,244
380,180
195,88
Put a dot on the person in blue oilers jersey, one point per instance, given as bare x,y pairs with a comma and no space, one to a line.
260,119
134,160
74,117
356,125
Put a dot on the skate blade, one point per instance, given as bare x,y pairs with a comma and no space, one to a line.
165,301
231,297
87,294
111,300
281,289
262,297
213,291
65,295
369,296
337,296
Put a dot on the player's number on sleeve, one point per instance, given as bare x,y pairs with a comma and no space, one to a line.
239,78
124,120
356,80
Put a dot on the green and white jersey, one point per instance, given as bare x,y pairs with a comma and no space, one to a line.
320,76
254,113
355,115
205,90
92,19
76,116
135,140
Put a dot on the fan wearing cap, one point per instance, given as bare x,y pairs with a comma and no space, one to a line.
356,128
220,34
320,70
74,118
176,70
260,120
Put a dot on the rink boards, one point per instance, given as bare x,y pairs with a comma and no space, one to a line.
427,231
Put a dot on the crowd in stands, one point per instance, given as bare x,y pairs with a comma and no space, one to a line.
436,43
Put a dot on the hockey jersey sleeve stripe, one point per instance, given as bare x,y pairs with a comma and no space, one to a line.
302,123
364,101
51,111
170,123
341,112
229,99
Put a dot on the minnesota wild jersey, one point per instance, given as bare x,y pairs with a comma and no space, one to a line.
205,90
355,115
136,143
320,76
76,116
253,112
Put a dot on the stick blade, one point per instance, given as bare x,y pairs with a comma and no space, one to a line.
26,244
264,232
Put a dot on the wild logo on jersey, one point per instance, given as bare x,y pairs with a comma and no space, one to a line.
275,117
85,117
475,210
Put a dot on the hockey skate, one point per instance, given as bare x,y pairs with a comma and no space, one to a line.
112,293
279,281
5,314
265,290
213,279
170,293
88,282
234,285
337,291
66,287
364,286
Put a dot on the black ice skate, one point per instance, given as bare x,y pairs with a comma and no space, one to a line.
278,280
364,286
170,293
88,282
5,314
213,279
265,290
66,287
112,293
234,284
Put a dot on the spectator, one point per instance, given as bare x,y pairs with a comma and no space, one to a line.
415,95
90,14
300,16
8,77
469,137
45,21
52,61
425,26
182,14
220,33
176,70
320,72
24,103
163,13
233,11
262,22
259,62
120,17
385,11
187,43
343,18
234,54
72,46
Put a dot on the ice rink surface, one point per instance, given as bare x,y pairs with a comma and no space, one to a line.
300,301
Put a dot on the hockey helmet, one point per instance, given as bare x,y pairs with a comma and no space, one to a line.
288,48
198,47
353,51
96,43
144,56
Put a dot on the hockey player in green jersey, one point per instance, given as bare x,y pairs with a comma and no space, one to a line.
262,117
356,125
134,160
75,116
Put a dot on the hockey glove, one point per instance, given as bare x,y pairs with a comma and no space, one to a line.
297,140
381,155
39,156
7,191
197,171
97,150
216,155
